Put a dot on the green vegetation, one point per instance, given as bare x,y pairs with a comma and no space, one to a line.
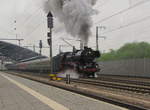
128,51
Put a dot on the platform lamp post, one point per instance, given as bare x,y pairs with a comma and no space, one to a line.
49,35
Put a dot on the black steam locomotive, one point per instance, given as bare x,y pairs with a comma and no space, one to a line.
81,61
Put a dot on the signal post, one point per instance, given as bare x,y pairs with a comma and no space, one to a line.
49,37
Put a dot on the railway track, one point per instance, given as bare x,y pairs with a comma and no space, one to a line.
128,80
120,84
134,86
116,85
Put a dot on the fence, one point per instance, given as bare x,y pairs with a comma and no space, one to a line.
132,67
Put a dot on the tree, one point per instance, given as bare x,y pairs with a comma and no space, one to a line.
128,51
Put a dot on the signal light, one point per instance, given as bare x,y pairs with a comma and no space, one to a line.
50,20
49,41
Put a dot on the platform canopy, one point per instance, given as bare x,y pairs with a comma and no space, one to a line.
17,53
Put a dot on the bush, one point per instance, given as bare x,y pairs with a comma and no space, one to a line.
128,51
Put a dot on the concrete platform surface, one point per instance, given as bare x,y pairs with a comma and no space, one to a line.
22,94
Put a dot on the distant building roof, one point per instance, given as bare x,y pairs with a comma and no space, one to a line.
16,53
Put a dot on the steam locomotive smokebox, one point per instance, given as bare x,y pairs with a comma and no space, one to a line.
97,54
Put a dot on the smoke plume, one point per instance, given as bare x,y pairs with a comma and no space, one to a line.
75,14
73,74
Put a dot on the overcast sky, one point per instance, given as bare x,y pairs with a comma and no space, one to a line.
131,25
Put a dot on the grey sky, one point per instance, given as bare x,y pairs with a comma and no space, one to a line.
128,26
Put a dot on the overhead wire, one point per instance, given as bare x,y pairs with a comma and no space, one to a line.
122,11
127,25
22,24
29,17
143,32
34,29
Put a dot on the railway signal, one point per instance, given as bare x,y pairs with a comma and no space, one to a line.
40,46
49,35
49,38
50,20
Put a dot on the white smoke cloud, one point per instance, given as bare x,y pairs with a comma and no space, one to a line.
75,14
73,74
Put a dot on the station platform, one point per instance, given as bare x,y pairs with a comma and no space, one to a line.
17,93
